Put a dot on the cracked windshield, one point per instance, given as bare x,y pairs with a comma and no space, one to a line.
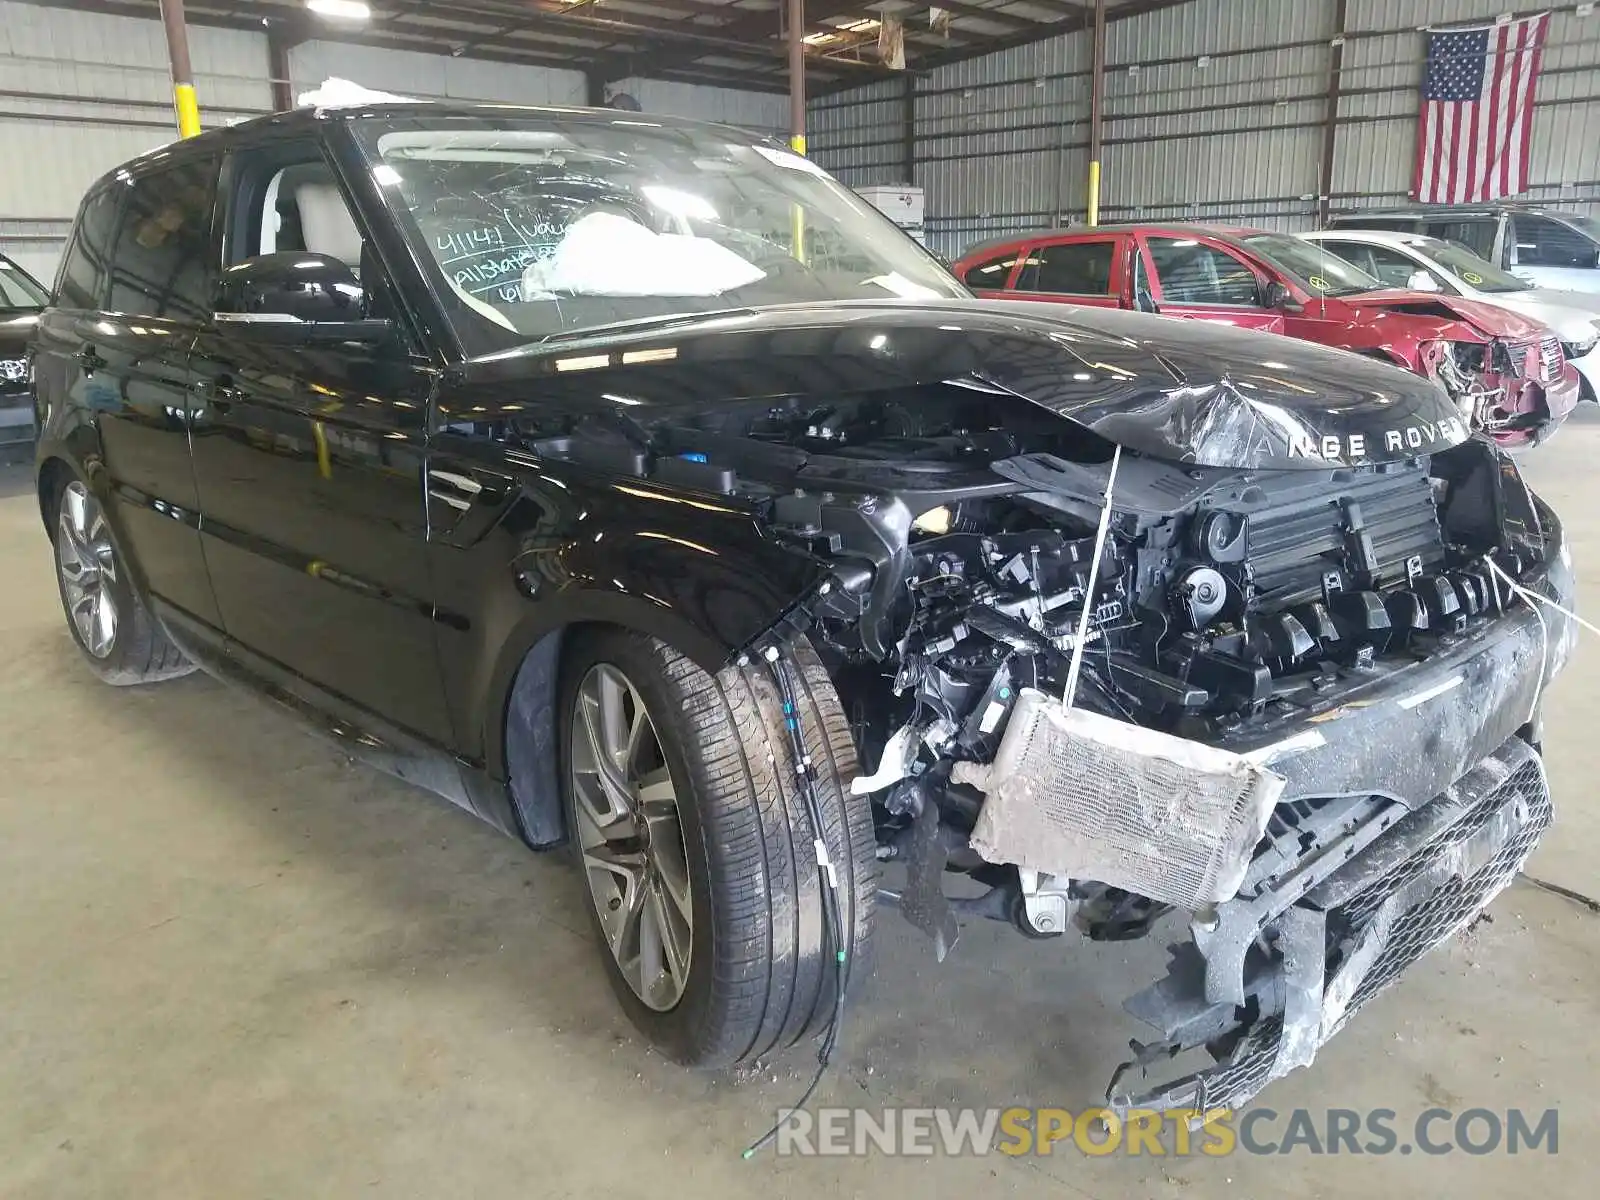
570,227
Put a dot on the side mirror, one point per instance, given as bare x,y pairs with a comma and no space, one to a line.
1145,302
1422,281
298,297
1278,295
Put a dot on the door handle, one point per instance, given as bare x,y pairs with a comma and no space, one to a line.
220,392
456,490
89,358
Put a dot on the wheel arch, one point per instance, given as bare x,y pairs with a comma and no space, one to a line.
520,735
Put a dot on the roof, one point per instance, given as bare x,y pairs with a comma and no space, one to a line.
312,119
1178,227
1376,237
727,43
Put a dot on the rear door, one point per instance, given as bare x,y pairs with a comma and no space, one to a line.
990,277
1203,280
128,305
1085,269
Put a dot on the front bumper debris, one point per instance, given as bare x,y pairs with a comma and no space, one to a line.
1422,879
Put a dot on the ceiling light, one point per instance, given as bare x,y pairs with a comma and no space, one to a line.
342,10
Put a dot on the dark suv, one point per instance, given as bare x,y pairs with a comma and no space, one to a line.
630,483
21,300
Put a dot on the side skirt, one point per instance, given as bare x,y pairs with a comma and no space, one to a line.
355,730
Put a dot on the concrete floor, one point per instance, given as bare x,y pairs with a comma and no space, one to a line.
233,965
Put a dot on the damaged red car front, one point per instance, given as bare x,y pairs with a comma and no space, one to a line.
1505,374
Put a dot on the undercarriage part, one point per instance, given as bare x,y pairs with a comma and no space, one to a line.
1077,794
1047,902
1340,943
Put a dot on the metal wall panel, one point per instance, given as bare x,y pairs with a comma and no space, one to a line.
764,112
99,95
999,140
432,76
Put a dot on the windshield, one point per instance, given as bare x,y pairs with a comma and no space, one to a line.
557,227
17,288
1317,270
1477,273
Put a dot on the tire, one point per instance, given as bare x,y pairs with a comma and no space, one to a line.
760,967
121,641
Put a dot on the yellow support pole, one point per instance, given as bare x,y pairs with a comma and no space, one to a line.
188,109
184,105
1094,193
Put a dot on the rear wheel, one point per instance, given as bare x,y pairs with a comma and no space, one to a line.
696,848
112,627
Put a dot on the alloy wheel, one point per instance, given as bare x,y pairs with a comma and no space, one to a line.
630,834
88,566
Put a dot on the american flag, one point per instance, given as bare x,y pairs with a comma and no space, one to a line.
1477,111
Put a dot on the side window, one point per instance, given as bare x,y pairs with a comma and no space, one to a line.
162,266
1190,272
1542,242
1478,234
1357,253
1072,268
1394,268
81,283
991,274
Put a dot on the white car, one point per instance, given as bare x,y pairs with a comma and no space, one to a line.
1429,264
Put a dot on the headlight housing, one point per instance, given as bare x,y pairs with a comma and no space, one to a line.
1582,346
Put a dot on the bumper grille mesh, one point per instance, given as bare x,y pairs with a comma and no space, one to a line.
1433,919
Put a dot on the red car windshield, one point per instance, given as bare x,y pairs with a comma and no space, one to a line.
1319,271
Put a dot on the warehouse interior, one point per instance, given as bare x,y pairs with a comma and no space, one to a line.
235,962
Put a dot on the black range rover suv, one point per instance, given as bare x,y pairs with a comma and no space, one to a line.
640,489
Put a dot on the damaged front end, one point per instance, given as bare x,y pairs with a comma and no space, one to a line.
1517,392
1307,719
1306,715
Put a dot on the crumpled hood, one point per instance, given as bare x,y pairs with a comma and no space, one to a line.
1488,320
1183,391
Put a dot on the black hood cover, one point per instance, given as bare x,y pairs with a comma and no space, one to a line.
1181,390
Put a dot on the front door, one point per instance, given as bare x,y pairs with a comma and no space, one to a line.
1202,280
309,463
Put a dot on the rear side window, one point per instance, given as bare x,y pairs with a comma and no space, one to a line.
163,266
992,273
1191,272
1393,268
1479,234
1073,268
82,281
1356,253
1542,242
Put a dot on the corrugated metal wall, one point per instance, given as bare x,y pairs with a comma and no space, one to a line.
431,76
81,92
765,112
999,142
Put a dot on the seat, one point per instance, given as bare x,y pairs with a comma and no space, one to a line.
326,223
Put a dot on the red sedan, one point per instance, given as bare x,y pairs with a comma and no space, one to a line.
1506,373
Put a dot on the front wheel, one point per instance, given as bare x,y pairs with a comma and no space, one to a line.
697,851
115,631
